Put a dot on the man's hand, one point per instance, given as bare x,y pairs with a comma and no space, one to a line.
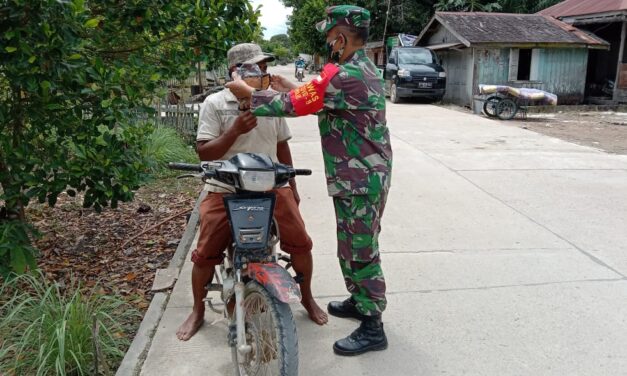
245,123
282,84
240,89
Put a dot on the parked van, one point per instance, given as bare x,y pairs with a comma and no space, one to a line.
414,72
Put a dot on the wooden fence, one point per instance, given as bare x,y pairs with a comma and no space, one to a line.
182,117
208,77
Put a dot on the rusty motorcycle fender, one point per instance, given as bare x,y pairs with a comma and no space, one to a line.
276,280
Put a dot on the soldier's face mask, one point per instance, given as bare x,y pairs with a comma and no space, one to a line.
334,56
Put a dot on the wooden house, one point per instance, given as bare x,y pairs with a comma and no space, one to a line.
607,19
521,50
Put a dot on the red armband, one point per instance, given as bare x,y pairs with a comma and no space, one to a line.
309,98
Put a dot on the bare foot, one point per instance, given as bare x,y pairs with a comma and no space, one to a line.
190,326
316,314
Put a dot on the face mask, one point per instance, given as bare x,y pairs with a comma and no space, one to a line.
335,56
254,77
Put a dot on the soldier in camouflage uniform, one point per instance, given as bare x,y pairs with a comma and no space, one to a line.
350,103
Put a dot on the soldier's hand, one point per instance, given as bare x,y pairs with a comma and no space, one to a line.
245,122
240,89
282,84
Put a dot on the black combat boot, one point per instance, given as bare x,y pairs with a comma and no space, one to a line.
345,309
368,337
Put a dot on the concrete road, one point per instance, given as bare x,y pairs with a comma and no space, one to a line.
504,252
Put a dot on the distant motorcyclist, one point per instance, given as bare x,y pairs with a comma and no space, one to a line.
299,63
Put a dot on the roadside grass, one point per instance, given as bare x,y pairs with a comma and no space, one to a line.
47,328
63,324
165,145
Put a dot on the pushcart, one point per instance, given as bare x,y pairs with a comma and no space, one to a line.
504,102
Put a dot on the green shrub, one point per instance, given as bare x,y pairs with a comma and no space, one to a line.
165,145
16,250
49,330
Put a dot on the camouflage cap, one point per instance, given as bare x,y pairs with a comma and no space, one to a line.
347,15
249,53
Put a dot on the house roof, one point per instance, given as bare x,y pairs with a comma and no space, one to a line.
570,8
477,28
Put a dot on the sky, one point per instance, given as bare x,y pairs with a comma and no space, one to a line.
273,17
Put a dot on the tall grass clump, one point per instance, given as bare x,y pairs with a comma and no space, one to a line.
49,330
165,145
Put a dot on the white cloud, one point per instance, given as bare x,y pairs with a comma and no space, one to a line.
273,17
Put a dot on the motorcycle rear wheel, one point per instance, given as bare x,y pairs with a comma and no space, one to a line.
271,332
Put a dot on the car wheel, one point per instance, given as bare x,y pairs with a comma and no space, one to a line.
394,94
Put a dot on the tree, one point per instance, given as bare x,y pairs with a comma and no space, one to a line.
77,78
405,16
282,54
301,23
468,5
281,40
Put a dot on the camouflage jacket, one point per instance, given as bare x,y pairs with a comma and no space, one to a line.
355,138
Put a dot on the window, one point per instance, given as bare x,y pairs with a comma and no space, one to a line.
415,56
392,59
520,64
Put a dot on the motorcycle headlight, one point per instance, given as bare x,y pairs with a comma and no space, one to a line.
257,181
442,74
404,73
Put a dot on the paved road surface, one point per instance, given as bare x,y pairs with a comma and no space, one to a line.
504,252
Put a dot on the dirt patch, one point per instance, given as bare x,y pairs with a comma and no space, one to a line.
104,249
602,130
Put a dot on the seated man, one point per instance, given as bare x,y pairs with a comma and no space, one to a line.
223,132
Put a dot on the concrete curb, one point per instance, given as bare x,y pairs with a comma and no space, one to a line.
136,354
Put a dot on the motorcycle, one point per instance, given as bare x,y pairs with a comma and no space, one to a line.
255,289
300,73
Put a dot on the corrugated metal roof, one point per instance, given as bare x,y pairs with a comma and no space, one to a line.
444,46
584,7
505,28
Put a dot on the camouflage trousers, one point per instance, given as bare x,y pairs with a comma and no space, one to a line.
358,225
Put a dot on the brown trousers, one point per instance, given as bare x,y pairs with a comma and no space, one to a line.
215,234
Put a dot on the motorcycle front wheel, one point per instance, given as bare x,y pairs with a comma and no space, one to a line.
271,333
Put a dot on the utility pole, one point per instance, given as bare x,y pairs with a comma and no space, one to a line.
621,52
385,29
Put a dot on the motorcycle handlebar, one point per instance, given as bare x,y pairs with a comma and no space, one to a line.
302,171
185,166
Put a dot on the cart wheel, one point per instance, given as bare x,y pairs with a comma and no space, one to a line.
506,109
490,104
